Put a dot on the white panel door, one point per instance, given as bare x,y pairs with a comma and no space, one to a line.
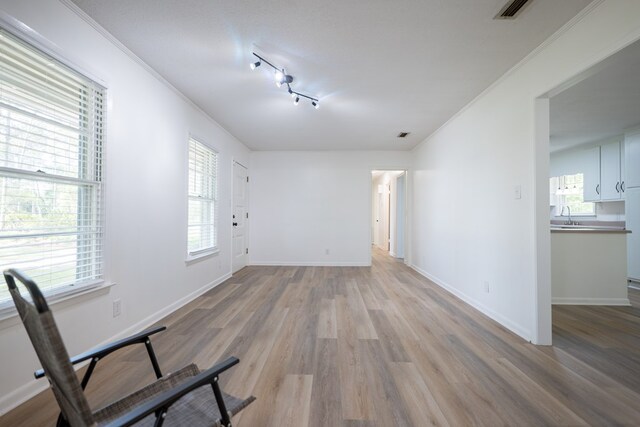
240,216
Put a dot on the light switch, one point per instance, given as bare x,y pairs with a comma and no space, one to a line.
517,192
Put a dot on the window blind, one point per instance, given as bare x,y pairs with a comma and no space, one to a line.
202,233
51,136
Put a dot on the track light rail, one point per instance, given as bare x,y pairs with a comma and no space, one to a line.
283,78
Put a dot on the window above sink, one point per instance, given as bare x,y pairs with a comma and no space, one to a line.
568,192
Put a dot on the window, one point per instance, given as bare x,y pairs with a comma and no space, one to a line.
203,199
570,193
51,135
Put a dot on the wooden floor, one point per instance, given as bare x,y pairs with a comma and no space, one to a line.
358,346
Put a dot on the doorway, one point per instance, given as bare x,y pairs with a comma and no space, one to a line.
388,211
585,167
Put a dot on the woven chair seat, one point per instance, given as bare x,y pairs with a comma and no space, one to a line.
197,408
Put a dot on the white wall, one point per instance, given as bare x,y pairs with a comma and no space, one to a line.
148,125
469,168
303,203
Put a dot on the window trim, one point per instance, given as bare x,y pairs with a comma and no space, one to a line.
197,255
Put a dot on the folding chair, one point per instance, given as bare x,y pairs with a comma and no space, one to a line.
186,397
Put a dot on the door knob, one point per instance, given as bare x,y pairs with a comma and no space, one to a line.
235,224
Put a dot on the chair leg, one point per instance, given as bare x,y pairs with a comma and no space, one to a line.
154,361
87,374
222,407
160,418
61,422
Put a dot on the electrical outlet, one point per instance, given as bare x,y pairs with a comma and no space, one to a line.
517,192
326,251
486,286
117,307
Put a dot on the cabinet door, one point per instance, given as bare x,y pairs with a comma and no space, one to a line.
591,171
610,171
632,215
632,160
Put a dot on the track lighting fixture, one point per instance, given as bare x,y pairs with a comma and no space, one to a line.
282,78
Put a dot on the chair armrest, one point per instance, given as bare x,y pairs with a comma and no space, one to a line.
104,350
166,399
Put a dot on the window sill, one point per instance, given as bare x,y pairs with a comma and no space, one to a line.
8,310
201,255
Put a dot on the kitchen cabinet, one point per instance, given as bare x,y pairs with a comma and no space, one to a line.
604,171
632,160
611,182
591,174
632,205
589,267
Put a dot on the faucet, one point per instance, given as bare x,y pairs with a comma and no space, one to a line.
570,221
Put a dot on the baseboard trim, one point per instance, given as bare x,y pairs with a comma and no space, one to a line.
590,301
34,387
311,264
507,323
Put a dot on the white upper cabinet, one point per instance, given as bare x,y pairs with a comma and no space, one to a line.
611,186
632,160
591,171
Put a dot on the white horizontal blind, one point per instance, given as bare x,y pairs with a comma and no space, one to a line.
51,133
203,198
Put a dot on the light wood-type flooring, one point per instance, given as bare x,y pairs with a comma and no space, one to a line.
383,346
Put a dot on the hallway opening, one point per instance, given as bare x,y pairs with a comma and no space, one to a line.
388,211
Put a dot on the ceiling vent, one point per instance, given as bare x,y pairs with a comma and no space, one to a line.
512,9
403,134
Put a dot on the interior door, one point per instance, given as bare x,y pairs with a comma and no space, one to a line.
240,216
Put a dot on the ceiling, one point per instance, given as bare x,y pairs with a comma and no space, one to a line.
379,67
604,102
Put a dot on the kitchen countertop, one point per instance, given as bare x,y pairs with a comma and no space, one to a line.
587,226
587,229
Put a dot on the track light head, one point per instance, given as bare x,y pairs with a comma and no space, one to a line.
255,65
296,101
315,104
